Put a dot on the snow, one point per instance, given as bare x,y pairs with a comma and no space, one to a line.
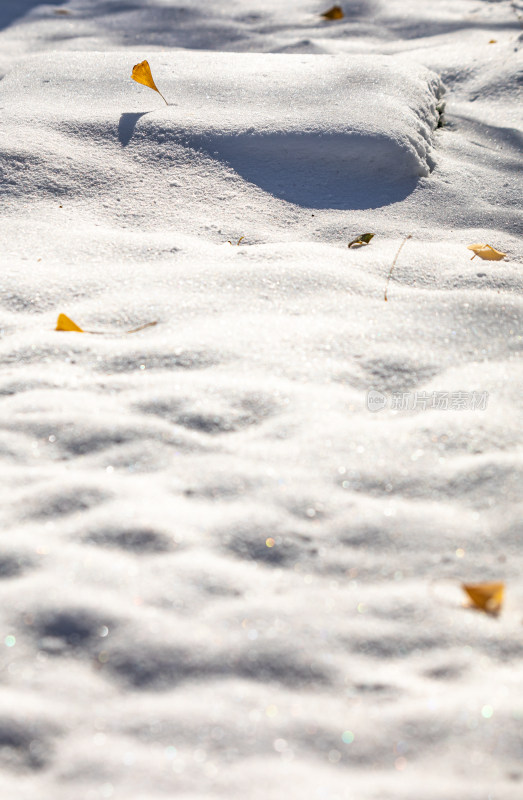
221,574
231,122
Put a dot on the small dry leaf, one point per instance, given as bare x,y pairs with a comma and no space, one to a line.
142,74
493,41
65,324
361,240
485,251
488,597
336,12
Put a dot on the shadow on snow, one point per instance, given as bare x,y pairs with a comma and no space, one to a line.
127,124
313,170
13,9
347,170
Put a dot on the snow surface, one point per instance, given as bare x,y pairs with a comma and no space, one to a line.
221,575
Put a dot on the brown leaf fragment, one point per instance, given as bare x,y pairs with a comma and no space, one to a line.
336,12
487,597
361,240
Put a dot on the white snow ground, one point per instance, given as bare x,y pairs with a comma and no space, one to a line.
221,575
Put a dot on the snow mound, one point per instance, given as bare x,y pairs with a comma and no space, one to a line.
317,131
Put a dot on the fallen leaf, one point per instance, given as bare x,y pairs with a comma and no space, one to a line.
142,74
486,251
361,240
493,41
238,242
488,597
65,324
336,12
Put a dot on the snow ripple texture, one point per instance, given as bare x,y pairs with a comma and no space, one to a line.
221,574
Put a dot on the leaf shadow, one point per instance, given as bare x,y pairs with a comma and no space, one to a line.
127,124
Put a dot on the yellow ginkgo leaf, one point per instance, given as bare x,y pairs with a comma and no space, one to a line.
487,597
142,74
65,324
336,12
485,251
